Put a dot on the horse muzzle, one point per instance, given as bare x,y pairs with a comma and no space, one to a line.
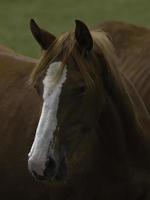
51,170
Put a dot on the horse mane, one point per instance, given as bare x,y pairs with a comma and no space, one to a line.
66,46
103,51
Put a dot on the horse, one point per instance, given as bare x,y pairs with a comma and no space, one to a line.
132,44
94,128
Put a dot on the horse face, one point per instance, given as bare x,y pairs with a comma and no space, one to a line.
63,125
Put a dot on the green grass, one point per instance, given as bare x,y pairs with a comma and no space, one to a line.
58,16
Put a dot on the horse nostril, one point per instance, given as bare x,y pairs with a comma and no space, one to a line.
38,177
50,168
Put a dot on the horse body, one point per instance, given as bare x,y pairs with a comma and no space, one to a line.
19,111
132,44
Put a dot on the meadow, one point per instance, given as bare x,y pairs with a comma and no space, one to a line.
58,16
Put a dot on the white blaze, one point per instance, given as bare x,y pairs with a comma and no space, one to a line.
48,121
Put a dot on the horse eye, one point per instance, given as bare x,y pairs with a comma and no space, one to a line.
80,90
39,89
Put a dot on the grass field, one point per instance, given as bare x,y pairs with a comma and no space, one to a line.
58,16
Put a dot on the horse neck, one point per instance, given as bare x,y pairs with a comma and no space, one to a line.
120,127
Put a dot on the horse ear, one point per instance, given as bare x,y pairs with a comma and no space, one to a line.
44,38
83,36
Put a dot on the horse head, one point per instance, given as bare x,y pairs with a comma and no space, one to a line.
66,81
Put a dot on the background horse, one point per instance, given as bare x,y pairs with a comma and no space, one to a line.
94,127
19,112
132,44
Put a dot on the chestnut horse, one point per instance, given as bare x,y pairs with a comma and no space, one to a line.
94,128
102,166
132,44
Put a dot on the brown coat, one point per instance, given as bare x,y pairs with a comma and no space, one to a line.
132,44
19,113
